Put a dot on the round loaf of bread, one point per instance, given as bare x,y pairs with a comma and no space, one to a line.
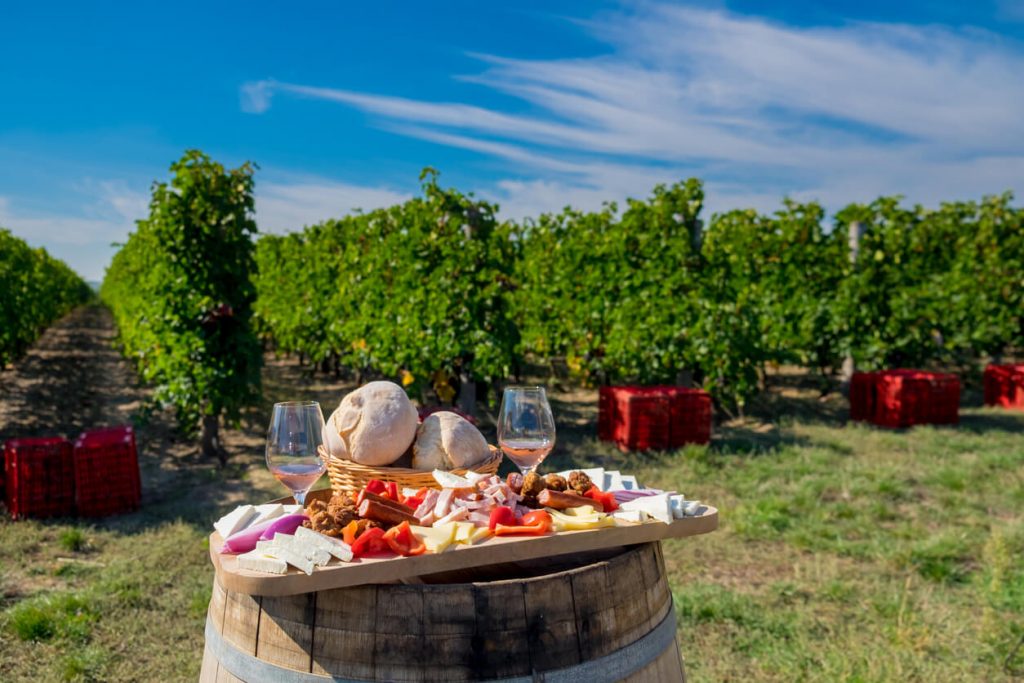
374,425
446,441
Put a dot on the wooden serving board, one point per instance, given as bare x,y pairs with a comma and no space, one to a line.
494,550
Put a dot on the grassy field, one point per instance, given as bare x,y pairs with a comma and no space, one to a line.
845,552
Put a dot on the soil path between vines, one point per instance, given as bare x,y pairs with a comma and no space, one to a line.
74,378
71,379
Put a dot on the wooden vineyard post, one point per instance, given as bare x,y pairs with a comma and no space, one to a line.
856,233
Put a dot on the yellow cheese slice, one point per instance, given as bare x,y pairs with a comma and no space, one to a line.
479,534
436,538
463,530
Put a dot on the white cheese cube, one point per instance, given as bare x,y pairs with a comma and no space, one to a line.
318,556
659,507
235,521
292,509
678,506
338,549
612,481
283,553
256,561
629,482
692,508
267,512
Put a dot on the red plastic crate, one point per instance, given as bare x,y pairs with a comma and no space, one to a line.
654,418
106,472
904,398
862,396
605,413
1004,386
40,477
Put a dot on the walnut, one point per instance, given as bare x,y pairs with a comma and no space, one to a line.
533,484
555,482
579,482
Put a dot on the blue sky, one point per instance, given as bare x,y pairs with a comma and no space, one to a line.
532,104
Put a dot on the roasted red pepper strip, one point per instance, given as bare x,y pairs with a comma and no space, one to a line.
502,515
370,542
392,492
401,539
607,500
536,523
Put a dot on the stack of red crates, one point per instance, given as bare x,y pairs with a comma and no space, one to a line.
653,418
1004,386
39,477
903,398
106,472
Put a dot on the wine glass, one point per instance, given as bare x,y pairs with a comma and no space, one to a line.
294,437
526,428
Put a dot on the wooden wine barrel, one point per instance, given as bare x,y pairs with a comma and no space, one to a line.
606,617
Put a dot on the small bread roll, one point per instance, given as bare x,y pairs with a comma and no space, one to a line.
446,441
374,425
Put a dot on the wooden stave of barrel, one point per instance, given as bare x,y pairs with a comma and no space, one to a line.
602,612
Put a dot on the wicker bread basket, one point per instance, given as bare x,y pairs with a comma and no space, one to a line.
351,476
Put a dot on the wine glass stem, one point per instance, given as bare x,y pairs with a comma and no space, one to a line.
300,497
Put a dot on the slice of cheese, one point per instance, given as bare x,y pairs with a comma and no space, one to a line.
463,531
564,522
629,516
580,511
317,556
257,561
338,549
282,553
235,521
292,509
267,512
436,538
659,507
478,534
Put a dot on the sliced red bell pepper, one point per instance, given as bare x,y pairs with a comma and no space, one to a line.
403,541
536,523
537,517
392,492
503,515
607,500
370,542
416,500
376,486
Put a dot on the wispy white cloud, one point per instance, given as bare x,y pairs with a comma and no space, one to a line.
289,206
758,108
85,236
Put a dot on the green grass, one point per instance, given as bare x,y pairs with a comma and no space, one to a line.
844,553
72,540
849,553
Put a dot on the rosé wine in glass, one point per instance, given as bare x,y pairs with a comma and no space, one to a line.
526,428
293,441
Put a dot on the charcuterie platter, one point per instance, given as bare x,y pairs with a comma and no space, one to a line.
381,523
494,550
